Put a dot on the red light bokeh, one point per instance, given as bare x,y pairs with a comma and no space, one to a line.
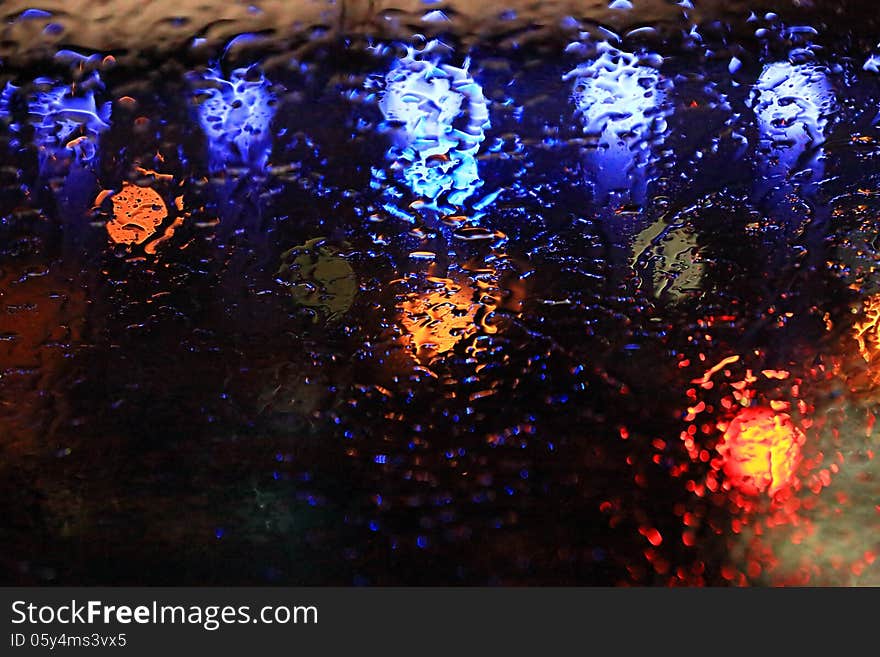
760,451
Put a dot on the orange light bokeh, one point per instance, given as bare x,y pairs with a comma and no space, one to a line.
761,450
438,319
137,214
867,335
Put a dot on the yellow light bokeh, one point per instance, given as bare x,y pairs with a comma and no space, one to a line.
761,450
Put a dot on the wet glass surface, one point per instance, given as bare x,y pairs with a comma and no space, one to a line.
361,294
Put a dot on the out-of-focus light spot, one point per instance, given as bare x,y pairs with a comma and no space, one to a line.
623,104
654,537
760,451
439,318
759,461
66,119
867,332
236,116
670,257
320,278
792,104
137,214
740,425
437,116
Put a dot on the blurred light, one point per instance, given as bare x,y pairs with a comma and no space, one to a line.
137,214
437,116
437,319
66,119
236,116
622,105
760,451
867,332
792,104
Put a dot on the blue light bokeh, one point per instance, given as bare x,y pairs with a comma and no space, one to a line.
437,116
236,116
792,105
622,103
66,119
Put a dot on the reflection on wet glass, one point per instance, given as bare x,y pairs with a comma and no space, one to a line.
760,450
622,101
435,321
236,115
66,119
298,311
437,116
793,105
320,278
137,214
